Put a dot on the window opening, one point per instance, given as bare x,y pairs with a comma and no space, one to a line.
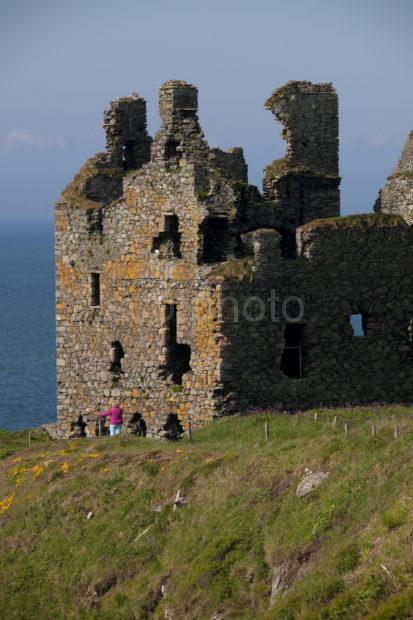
215,233
291,359
94,219
288,243
95,289
167,243
362,324
178,355
128,155
116,355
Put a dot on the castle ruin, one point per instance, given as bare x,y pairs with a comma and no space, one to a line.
185,294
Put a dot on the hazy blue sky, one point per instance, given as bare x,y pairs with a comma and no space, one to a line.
62,61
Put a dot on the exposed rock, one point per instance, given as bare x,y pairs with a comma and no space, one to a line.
310,482
279,575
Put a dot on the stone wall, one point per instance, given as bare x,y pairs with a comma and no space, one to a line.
174,277
345,266
148,250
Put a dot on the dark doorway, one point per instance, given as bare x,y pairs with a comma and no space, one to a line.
173,427
137,425
291,359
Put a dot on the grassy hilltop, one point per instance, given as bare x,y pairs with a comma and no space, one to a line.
88,528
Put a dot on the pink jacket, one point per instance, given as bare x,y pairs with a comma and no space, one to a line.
115,413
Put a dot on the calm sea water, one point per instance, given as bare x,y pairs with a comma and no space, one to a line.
27,363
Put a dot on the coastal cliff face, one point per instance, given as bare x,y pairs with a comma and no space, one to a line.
183,294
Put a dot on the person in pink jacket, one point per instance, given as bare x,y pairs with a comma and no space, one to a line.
115,419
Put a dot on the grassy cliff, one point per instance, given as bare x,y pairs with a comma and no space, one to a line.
88,528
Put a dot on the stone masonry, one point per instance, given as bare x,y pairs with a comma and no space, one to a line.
184,294
397,195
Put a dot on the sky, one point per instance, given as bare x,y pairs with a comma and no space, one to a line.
62,61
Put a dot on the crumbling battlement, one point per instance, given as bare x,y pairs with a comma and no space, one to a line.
397,195
305,183
184,294
127,140
309,113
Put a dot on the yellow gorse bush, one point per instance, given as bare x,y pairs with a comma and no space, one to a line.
6,503
37,470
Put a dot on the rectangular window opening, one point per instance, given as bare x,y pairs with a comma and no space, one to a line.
215,239
178,355
362,324
95,289
291,359
168,242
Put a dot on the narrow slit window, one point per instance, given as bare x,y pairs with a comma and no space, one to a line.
95,289
291,360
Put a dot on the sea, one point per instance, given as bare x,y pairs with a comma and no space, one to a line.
27,330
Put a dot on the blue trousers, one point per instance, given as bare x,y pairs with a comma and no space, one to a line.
115,429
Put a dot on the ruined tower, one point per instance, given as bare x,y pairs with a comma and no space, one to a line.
305,183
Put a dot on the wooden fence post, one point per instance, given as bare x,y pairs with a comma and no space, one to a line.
189,430
266,431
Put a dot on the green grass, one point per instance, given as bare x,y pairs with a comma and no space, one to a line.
235,269
345,549
10,442
362,221
74,194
